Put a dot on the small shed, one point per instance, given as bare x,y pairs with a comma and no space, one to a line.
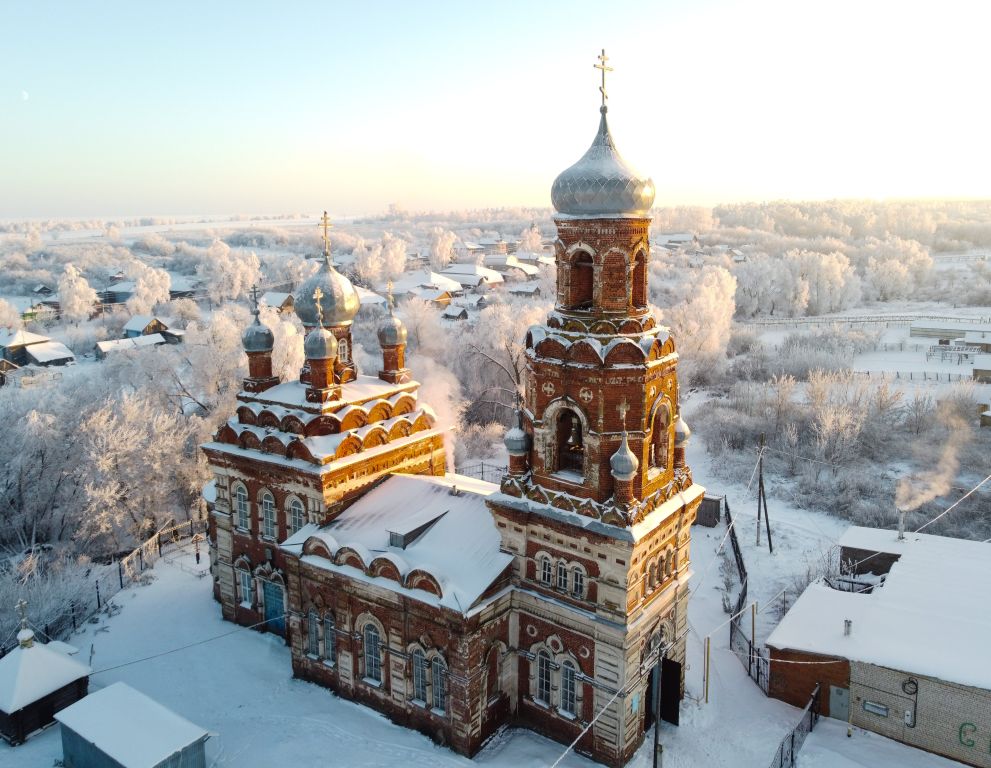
279,300
110,346
454,312
47,353
710,511
144,325
13,345
119,727
36,681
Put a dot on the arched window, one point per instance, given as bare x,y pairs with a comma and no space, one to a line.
419,676
578,583
544,677
660,438
652,575
438,684
639,292
329,638
581,282
545,570
297,515
373,654
669,564
343,351
268,515
568,688
245,588
313,634
562,576
492,686
241,506
570,442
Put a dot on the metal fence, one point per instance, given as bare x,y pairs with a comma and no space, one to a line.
916,375
792,743
481,470
129,569
753,658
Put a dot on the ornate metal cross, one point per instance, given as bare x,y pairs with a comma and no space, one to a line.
602,66
317,295
325,223
22,607
623,408
254,298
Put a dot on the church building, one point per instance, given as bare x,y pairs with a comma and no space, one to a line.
556,600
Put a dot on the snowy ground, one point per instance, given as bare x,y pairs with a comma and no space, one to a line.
237,683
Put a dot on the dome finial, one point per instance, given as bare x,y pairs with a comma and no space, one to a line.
317,295
254,302
389,297
602,88
325,223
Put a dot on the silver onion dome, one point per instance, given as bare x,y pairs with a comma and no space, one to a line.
320,344
624,463
392,332
257,337
339,300
602,184
516,442
681,431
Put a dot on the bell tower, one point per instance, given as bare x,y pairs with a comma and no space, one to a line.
598,501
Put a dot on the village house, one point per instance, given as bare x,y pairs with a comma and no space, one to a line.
556,600
277,300
25,348
893,649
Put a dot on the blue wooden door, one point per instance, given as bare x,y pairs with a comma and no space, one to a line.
274,607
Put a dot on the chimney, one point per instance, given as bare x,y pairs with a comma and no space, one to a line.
901,524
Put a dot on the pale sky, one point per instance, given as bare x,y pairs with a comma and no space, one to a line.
131,108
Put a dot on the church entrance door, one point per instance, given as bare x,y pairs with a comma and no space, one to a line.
274,607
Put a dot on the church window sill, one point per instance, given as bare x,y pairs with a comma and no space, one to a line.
329,663
567,715
372,682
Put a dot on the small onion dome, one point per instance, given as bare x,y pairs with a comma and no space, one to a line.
320,344
339,300
601,184
258,337
392,332
681,432
624,463
516,442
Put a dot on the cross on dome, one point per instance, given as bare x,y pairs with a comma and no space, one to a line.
254,299
22,607
602,66
623,408
327,226
317,295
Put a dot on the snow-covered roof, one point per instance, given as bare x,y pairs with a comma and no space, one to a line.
981,362
30,674
366,297
140,322
274,298
293,393
133,729
117,345
182,283
20,338
22,304
922,620
978,337
460,550
472,274
49,352
423,278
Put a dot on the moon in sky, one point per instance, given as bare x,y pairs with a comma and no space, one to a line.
24,95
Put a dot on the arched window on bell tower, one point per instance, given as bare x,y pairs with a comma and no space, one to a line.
639,293
660,437
581,281
570,443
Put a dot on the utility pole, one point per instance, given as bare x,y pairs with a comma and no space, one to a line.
762,498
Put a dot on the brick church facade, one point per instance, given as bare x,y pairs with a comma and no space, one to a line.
452,605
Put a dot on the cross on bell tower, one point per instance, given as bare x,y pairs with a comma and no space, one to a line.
327,226
602,66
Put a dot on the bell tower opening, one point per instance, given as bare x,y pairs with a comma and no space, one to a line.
639,292
660,438
581,281
570,443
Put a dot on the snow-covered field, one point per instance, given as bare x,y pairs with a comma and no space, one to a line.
237,683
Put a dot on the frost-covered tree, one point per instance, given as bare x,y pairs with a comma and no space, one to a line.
228,274
441,247
10,318
151,287
368,261
76,297
287,352
393,255
701,324
530,241
833,282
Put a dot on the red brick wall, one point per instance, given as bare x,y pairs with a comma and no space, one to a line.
794,683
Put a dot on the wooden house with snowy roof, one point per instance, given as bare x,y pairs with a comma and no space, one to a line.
36,681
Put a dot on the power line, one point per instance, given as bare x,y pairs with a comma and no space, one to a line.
954,504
